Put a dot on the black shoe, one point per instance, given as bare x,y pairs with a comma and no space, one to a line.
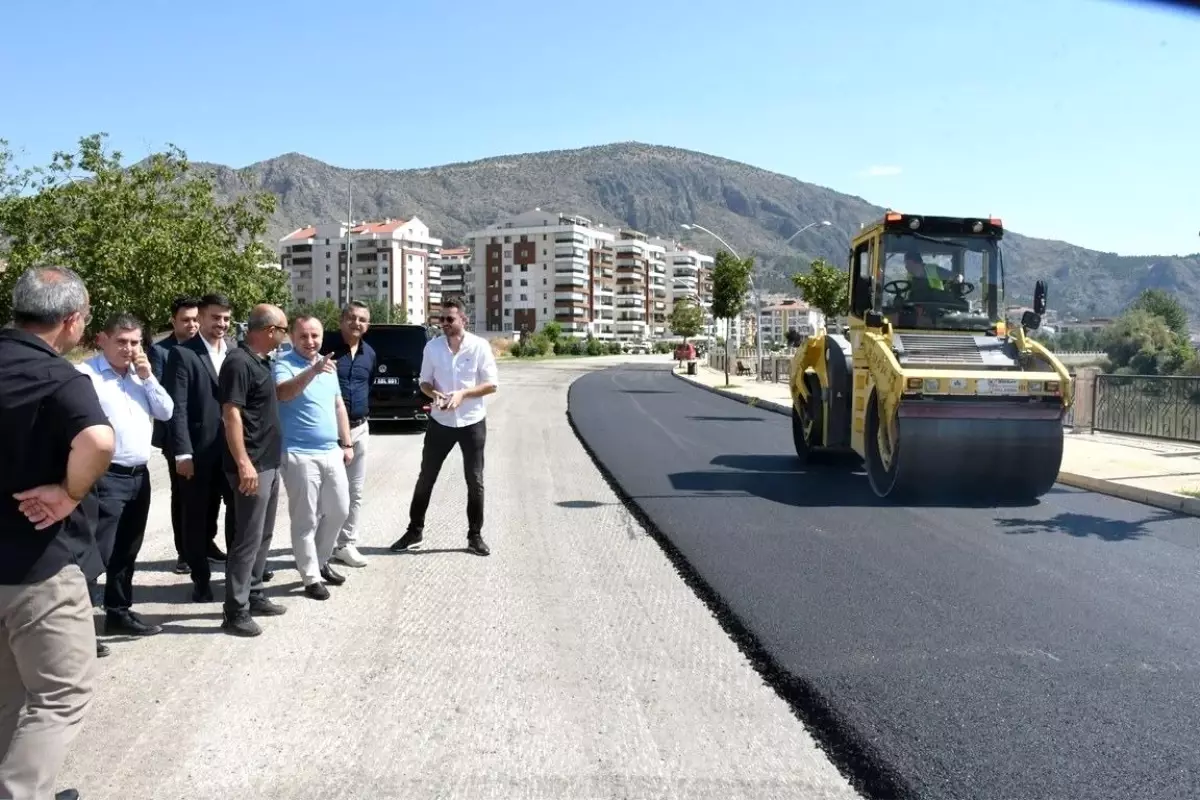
67,794
476,545
332,576
317,591
411,540
102,650
215,554
267,575
260,606
202,594
181,567
239,623
129,622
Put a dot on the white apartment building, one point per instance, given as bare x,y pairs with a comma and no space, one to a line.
643,287
778,318
689,275
538,267
454,264
391,261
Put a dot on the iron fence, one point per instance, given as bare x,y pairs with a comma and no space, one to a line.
1164,407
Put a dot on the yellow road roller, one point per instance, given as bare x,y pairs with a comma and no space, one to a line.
929,384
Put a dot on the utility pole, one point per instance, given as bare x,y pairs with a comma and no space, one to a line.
349,239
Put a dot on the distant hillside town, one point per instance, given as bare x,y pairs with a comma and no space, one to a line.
525,271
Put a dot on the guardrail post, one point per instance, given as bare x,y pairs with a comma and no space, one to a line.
1084,406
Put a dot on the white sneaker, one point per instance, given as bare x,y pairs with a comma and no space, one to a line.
349,555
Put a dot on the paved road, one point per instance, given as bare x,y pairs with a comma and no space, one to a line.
1041,652
572,663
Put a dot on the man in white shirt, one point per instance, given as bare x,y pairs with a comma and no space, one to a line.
132,399
458,370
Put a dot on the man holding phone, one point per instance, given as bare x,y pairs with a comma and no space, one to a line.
458,369
132,399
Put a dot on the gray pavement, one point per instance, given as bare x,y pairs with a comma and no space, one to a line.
572,663
1046,651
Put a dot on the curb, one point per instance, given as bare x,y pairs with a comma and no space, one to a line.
1164,500
1150,497
754,402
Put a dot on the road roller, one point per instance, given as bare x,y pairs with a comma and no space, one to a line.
927,381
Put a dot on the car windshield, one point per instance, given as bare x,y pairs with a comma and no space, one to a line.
941,283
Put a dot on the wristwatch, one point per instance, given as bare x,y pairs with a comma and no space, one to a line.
345,444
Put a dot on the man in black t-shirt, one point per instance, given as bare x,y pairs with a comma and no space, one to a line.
253,453
57,443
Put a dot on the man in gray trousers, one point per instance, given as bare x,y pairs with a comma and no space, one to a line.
253,452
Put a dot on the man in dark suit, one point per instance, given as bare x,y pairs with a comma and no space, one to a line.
185,321
196,438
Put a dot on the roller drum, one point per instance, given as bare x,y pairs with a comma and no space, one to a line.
970,452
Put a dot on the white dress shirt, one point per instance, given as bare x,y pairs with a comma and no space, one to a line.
131,405
217,353
473,365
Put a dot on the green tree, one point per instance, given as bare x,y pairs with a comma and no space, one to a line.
730,282
825,288
137,235
324,309
687,319
1141,343
1163,305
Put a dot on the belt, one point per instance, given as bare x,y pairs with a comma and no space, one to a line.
356,421
121,469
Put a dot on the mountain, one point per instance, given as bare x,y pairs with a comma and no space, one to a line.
655,189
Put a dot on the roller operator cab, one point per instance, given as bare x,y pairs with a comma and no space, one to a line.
930,387
395,393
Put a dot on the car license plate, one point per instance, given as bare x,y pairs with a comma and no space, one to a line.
999,386
387,381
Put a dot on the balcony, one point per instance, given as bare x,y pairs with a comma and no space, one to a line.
570,297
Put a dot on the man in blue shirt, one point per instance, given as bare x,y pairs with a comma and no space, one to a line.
355,365
317,448
132,399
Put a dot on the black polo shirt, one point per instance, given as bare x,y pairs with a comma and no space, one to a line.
246,382
44,403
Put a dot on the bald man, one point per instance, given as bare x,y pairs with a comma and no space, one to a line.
253,452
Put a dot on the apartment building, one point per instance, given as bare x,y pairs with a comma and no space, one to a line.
778,318
453,265
538,267
642,287
689,276
391,263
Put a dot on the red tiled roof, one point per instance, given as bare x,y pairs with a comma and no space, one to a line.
303,233
379,227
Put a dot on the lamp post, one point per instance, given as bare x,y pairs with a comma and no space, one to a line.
754,287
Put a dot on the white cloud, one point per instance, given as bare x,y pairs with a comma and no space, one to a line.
880,171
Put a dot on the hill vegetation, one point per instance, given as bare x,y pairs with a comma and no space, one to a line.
656,189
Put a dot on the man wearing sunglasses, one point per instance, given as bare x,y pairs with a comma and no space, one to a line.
458,370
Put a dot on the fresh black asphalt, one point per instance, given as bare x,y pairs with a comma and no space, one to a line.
1049,651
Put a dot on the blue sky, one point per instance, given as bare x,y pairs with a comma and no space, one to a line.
1071,119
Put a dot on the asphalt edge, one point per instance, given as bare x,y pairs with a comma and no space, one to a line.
857,761
1150,497
753,402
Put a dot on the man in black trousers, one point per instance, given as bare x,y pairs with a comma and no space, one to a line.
185,322
196,438
251,461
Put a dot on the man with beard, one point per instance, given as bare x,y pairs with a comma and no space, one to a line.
185,322
457,371
196,439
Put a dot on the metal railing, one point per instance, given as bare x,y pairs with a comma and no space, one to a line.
1163,407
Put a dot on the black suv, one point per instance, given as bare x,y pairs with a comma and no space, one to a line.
395,385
